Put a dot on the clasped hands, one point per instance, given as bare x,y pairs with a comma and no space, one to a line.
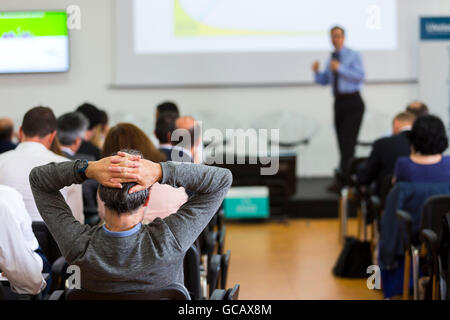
122,168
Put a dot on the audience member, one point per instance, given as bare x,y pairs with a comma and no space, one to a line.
165,126
37,133
187,138
164,198
426,163
20,261
418,108
124,255
70,131
93,114
98,138
385,152
6,135
166,106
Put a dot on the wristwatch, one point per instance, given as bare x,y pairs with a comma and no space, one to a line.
81,168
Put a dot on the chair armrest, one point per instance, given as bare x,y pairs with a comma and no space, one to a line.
405,220
57,295
224,264
430,238
218,294
213,273
59,269
221,239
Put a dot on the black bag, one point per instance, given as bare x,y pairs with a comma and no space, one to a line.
354,259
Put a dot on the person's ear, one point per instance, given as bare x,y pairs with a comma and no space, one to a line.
52,137
77,143
21,134
148,199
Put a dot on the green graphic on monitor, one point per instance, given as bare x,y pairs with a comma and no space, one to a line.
35,41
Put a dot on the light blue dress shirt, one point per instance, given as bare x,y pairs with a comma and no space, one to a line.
351,72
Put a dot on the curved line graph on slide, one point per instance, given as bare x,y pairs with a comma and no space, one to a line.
186,25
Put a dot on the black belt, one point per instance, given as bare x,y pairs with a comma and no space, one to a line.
346,95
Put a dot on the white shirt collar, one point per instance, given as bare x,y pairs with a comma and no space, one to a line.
68,151
31,145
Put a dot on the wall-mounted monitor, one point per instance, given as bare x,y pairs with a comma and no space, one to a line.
33,41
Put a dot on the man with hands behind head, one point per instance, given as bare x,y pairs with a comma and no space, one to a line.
124,255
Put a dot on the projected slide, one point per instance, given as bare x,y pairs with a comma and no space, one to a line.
202,26
33,42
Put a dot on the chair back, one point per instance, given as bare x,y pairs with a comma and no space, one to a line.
192,279
174,291
46,241
410,197
434,210
233,293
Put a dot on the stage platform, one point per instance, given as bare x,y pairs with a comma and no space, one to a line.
312,200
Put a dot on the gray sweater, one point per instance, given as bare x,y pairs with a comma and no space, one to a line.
152,257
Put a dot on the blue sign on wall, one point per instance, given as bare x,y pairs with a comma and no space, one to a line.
435,28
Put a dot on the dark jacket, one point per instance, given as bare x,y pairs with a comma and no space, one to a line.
87,148
409,197
381,162
6,146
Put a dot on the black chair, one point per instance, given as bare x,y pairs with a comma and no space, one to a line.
437,260
174,291
193,273
46,241
53,254
233,293
230,294
433,212
224,265
349,198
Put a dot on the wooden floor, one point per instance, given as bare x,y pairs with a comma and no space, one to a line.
290,261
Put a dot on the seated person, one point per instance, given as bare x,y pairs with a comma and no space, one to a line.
186,141
163,107
166,106
418,108
37,135
71,129
385,152
426,163
6,135
165,126
21,261
94,115
165,199
123,255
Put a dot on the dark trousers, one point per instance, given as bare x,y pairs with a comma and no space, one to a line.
348,114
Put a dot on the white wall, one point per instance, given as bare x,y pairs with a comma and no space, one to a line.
91,74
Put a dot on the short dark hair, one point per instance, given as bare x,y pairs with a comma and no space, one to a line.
165,125
39,122
71,126
168,106
91,112
337,28
120,200
6,133
419,111
428,135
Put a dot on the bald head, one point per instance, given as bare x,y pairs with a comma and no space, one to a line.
418,108
6,129
186,122
192,131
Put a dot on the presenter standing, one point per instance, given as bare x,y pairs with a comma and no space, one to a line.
345,73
